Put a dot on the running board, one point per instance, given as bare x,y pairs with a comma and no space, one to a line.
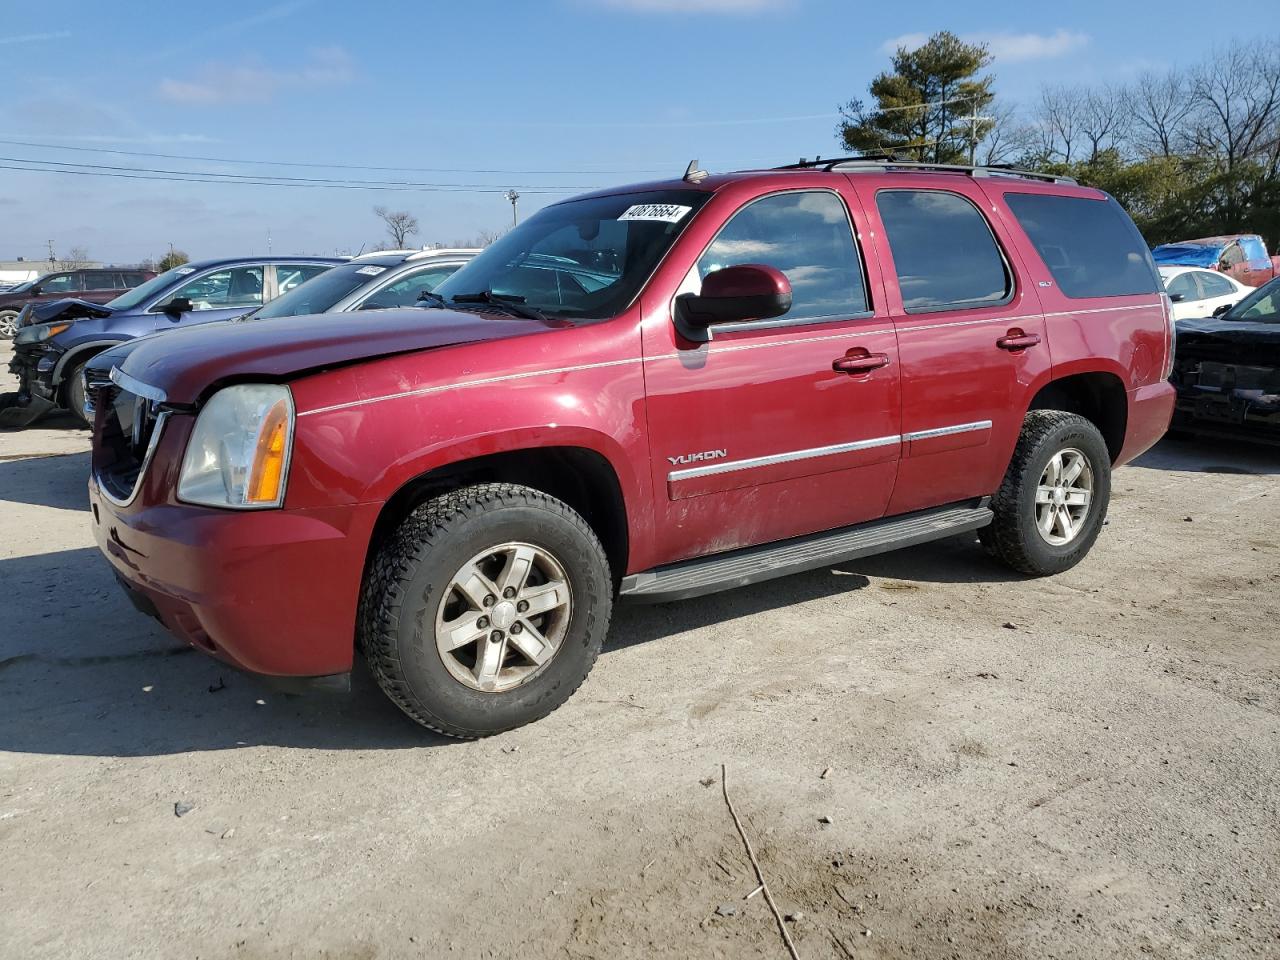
737,568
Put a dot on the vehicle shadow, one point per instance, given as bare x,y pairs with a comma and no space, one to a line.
46,480
1197,454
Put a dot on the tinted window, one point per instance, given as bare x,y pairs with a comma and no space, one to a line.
583,258
807,236
1261,306
1233,255
131,279
1215,285
405,291
237,287
290,275
60,283
943,250
99,280
1184,285
1091,247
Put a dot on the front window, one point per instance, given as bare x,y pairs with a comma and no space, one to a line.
1261,306
582,259
223,289
60,283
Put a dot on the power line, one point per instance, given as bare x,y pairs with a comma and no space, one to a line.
191,177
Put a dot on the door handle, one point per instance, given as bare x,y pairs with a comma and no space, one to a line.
1015,339
860,363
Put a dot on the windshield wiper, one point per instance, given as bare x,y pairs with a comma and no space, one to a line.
511,302
428,299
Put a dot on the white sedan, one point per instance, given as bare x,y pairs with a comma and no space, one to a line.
1201,293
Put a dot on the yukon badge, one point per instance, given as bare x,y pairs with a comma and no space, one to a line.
696,457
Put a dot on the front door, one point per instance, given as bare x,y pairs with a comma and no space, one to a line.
219,294
755,436
970,337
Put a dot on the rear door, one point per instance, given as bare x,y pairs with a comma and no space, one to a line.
755,436
971,335
99,286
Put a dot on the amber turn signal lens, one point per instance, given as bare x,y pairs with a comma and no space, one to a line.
267,476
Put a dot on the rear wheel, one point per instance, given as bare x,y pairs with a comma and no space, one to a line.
486,609
8,324
1053,501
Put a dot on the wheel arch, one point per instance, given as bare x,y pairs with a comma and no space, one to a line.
80,353
1097,395
582,477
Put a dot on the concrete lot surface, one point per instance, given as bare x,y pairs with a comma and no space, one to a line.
1083,766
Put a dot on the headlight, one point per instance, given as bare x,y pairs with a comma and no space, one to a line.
40,332
238,454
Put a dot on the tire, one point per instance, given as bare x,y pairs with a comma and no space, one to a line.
1015,536
73,394
8,324
410,589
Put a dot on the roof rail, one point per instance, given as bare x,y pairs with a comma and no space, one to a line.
886,163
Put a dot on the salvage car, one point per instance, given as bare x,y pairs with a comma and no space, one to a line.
1227,370
1201,293
94,286
644,393
1243,256
50,353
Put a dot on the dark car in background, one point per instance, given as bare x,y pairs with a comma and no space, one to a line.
93,286
50,353
1227,370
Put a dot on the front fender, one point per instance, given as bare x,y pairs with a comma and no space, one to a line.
79,353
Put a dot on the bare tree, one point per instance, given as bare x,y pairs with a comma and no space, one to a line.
1059,121
1237,102
1104,118
77,258
400,225
1009,138
1161,105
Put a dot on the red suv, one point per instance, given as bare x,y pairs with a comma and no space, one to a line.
646,393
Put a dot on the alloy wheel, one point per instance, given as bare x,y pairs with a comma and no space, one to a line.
1063,497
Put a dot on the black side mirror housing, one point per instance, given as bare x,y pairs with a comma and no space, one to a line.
1219,311
740,294
35,291
178,306
1177,297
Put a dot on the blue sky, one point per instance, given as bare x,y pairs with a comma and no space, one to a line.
557,95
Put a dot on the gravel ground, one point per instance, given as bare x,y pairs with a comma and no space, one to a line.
1084,766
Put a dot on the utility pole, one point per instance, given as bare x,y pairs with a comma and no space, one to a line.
974,119
268,241
52,258
513,197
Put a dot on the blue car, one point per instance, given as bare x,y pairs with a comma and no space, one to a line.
55,340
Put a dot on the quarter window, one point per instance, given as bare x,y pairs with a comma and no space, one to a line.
1091,247
943,251
806,235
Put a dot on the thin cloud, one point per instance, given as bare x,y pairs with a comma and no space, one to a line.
35,37
1006,47
217,32
219,83
696,6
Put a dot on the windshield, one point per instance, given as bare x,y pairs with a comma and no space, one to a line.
320,293
582,259
24,287
1261,306
139,295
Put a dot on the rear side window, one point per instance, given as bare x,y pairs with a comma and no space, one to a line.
943,251
806,235
1091,247
1216,285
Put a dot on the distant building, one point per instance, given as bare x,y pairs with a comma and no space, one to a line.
20,270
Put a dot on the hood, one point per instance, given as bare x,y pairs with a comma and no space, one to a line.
70,309
184,363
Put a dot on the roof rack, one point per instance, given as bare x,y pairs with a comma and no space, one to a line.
887,163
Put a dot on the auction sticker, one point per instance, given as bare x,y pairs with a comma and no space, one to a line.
371,270
662,212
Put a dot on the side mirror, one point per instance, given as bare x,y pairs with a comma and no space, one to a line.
1177,297
1219,311
178,306
740,294
35,291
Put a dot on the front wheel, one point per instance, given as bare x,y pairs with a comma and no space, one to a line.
1053,501
74,393
486,609
8,324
